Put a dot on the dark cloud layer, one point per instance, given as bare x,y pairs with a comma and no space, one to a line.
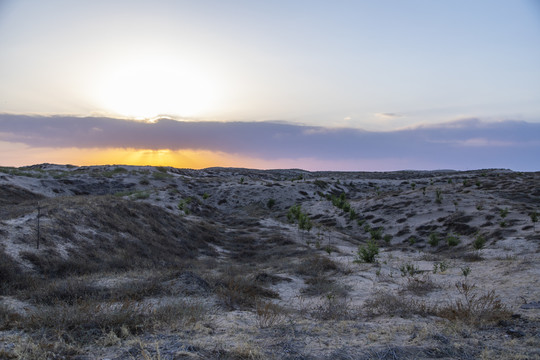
461,144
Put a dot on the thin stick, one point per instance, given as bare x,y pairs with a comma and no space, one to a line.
38,227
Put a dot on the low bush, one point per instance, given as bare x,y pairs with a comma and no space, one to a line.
453,240
474,307
385,303
376,233
479,242
269,314
85,321
238,291
322,285
433,239
367,253
12,277
387,238
316,265
334,307
420,285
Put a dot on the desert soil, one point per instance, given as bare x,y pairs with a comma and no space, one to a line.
132,262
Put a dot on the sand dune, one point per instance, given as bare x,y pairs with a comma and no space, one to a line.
165,263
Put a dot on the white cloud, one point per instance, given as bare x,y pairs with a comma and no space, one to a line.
388,115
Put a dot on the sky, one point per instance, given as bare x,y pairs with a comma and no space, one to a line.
320,85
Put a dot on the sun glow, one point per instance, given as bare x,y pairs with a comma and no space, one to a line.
152,86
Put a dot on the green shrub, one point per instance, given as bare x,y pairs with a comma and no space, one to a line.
452,240
321,184
304,222
376,233
479,242
341,202
159,175
141,195
296,214
409,270
184,205
441,266
534,218
367,253
270,203
433,239
438,196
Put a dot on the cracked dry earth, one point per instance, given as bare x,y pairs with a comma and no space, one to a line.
164,263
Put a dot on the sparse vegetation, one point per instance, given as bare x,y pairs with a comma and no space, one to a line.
368,252
479,242
184,205
409,269
474,307
441,266
438,196
296,214
161,175
534,218
376,233
453,240
433,239
121,272
341,202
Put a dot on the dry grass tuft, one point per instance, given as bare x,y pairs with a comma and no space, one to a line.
420,285
323,285
385,303
238,291
269,314
334,307
474,307
317,265
86,321
12,276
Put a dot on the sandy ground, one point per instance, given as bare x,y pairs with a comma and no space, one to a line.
337,319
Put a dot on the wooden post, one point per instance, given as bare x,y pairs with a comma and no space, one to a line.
38,228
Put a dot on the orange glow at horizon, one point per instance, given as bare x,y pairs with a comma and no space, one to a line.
20,155
17,154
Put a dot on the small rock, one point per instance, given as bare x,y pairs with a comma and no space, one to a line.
531,305
515,333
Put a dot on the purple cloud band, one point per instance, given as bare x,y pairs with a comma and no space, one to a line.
461,144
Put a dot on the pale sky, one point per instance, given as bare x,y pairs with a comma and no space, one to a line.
373,65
